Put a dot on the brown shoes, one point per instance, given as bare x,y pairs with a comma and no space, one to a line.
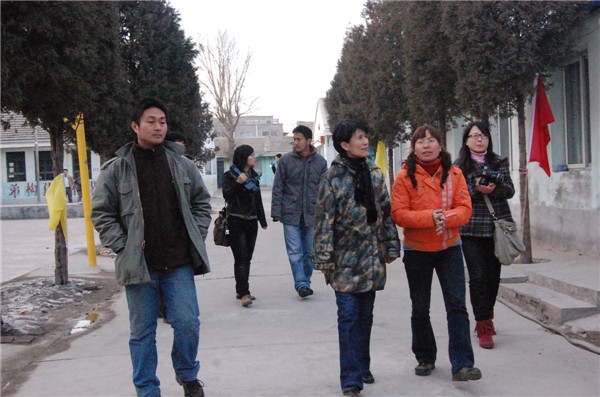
467,373
424,369
246,300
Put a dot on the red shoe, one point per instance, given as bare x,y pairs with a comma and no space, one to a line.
485,332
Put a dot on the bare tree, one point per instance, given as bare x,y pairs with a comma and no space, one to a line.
225,78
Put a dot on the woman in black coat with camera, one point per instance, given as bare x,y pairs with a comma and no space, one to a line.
487,174
241,191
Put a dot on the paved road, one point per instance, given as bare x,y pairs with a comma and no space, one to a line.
28,245
284,346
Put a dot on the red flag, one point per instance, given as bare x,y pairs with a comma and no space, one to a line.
540,135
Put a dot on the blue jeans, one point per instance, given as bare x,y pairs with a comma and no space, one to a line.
178,292
449,267
355,320
484,274
299,246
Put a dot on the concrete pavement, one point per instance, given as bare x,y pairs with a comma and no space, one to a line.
285,346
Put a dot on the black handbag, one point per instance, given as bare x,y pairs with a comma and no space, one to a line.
221,229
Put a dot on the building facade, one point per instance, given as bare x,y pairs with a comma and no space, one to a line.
264,133
26,162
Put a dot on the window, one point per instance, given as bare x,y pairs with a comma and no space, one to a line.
246,133
265,133
15,166
208,167
45,166
577,113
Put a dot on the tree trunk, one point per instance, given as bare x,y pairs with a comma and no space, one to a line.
390,164
527,256
61,259
61,269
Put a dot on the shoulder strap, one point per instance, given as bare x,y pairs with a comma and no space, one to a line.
490,206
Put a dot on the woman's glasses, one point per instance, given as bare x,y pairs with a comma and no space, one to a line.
477,136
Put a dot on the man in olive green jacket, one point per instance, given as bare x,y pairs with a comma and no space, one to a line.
151,207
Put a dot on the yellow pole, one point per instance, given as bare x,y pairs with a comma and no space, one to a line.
85,189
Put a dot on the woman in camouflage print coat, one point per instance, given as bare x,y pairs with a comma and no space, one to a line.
354,238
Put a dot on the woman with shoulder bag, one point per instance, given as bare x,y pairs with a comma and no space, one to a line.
241,191
487,174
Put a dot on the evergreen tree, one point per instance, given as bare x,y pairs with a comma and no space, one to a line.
430,78
498,48
49,53
159,62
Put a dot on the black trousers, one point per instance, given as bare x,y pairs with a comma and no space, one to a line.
484,274
242,239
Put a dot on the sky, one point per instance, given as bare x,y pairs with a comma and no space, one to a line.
295,47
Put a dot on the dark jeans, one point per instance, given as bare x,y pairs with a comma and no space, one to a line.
69,194
242,238
355,319
448,265
484,274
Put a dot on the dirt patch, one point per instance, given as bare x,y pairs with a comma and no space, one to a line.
39,319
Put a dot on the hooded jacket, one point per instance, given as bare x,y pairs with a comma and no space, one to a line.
117,212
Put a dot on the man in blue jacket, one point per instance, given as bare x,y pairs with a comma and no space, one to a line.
293,203
151,207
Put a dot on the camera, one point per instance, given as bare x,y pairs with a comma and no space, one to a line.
488,176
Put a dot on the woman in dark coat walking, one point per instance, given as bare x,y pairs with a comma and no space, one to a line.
241,190
487,174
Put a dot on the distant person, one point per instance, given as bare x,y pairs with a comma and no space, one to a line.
68,182
176,137
77,188
487,174
241,191
151,184
354,239
275,162
430,200
293,203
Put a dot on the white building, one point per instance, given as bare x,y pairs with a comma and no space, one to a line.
26,161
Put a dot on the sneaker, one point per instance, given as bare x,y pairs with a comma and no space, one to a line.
303,292
368,378
194,388
246,300
424,369
467,373
238,296
352,391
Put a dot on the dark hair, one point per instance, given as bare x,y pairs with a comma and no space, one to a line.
464,160
241,154
278,155
145,104
411,160
173,136
304,130
344,130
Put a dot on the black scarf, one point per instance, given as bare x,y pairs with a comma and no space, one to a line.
363,186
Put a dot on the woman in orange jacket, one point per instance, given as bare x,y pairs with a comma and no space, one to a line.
430,200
